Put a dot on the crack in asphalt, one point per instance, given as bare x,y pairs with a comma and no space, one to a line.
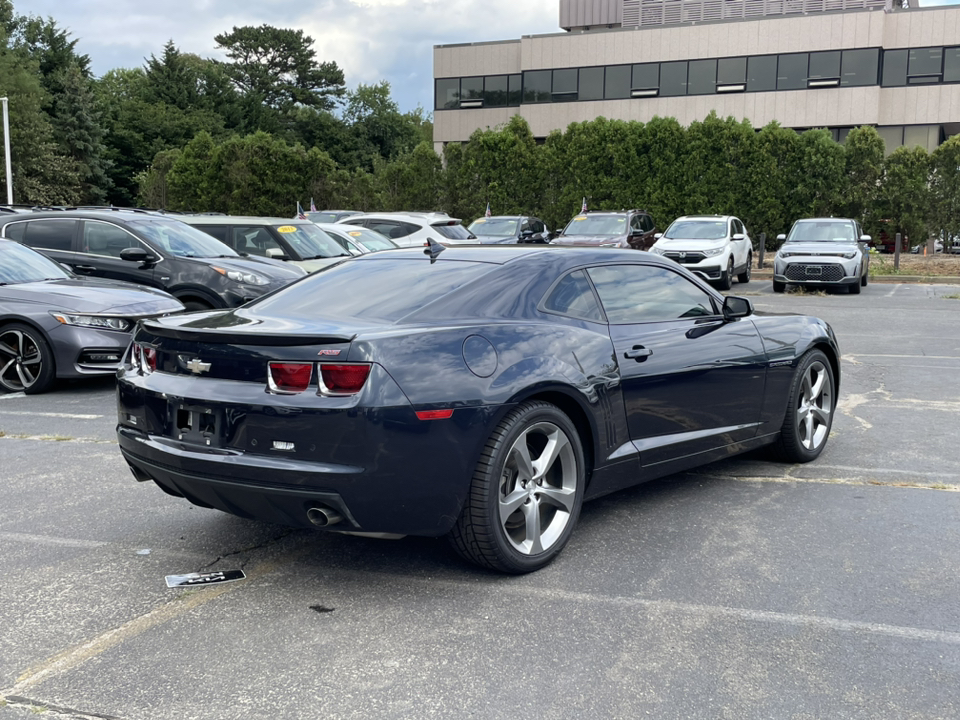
252,548
38,706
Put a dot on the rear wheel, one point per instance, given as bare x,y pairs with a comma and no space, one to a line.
26,361
526,493
744,277
779,287
196,306
726,278
806,425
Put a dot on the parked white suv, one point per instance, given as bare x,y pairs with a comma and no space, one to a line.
413,229
715,247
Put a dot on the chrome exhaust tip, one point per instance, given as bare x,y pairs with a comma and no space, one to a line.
322,516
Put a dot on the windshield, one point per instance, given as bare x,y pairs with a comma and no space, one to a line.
325,217
371,239
179,239
835,231
310,242
597,225
495,227
384,289
453,231
19,264
697,230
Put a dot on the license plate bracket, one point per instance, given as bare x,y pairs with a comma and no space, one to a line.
814,270
195,424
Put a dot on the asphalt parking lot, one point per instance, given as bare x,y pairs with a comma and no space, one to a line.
747,589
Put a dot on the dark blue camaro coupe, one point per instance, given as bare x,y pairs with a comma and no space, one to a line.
478,392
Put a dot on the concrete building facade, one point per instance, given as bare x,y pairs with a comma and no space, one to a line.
852,64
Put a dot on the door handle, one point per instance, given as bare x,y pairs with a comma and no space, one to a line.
84,268
638,353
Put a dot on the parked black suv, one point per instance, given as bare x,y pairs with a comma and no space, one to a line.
149,249
608,228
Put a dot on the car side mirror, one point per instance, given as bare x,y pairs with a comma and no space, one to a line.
865,238
736,307
136,254
781,237
738,236
276,254
657,236
526,233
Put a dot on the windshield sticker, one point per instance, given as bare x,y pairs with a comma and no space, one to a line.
479,220
354,233
580,218
286,229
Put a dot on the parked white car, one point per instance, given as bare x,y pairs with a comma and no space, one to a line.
715,247
413,229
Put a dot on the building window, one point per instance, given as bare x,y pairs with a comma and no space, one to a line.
646,80
591,84
925,136
731,72
617,83
824,70
702,78
762,73
792,72
925,65
673,79
951,64
515,89
537,86
448,93
894,68
859,67
471,89
892,137
564,85
495,91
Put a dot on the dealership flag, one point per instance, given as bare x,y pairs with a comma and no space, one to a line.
300,214
313,208
487,213
583,207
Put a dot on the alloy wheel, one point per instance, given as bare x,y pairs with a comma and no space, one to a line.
538,488
21,361
815,405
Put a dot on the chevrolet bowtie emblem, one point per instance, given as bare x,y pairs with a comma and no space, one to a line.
197,366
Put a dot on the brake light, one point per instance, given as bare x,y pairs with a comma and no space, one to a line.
343,379
289,378
144,357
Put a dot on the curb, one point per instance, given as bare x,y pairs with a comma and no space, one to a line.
893,279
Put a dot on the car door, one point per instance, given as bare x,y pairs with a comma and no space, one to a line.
100,246
743,245
691,381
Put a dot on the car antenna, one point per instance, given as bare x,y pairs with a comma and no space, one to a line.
433,249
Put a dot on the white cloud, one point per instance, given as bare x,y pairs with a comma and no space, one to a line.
371,40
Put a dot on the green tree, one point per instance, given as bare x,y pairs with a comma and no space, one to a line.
278,68
378,126
864,150
819,174
771,205
905,192
412,181
154,185
718,152
945,189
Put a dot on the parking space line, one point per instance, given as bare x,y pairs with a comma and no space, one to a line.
47,540
70,416
12,396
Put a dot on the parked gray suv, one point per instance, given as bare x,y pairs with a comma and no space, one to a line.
823,252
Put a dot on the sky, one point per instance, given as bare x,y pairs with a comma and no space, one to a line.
372,40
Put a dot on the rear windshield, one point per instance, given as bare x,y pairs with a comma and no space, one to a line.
370,239
453,232
495,227
380,289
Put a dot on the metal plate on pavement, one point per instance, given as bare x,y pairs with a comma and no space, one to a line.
207,578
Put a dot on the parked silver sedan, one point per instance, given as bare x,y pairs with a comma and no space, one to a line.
823,252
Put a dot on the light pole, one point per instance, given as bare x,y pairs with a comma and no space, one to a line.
6,149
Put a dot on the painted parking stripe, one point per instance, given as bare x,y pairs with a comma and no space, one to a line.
70,416
47,540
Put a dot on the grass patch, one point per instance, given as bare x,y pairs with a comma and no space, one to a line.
955,296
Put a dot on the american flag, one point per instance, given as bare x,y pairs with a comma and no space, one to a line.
583,207
301,215
487,213
313,208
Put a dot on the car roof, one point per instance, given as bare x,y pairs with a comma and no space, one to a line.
706,217
824,219
503,217
401,215
241,220
95,214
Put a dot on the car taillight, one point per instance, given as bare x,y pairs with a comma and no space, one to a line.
144,357
289,378
343,379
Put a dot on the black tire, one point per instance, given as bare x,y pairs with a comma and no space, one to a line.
726,278
865,278
797,444
26,360
744,277
197,306
854,288
779,287
480,535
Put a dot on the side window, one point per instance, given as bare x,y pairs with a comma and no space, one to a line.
100,238
220,232
50,234
646,223
253,240
645,293
636,223
525,225
14,231
574,296
538,226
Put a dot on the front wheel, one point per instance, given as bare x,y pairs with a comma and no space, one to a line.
854,289
526,492
726,278
26,361
744,277
779,287
810,405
